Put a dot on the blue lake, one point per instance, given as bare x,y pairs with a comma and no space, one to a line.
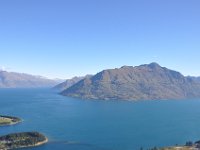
74,124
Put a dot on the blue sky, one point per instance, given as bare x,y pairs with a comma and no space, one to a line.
66,38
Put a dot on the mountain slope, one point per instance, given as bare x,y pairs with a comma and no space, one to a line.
20,80
149,81
197,79
68,83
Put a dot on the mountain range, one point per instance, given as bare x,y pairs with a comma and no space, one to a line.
21,80
144,82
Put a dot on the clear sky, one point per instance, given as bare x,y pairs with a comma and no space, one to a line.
64,38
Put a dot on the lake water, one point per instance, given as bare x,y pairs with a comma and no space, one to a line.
73,124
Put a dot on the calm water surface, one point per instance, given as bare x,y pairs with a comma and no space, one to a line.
73,124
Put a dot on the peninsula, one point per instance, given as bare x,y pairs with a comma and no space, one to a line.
8,120
22,140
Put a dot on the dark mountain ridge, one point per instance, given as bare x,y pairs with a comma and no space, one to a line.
144,82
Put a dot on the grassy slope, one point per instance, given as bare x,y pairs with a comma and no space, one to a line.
8,120
5,121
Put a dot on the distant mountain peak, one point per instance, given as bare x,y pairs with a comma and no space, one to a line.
151,65
124,67
154,65
22,80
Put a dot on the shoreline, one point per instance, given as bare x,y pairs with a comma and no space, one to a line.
43,142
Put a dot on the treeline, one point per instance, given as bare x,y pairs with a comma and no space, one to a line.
22,139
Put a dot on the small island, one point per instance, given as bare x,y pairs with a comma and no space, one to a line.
8,120
22,140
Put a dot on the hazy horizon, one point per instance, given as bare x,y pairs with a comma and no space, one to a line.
4,69
63,39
